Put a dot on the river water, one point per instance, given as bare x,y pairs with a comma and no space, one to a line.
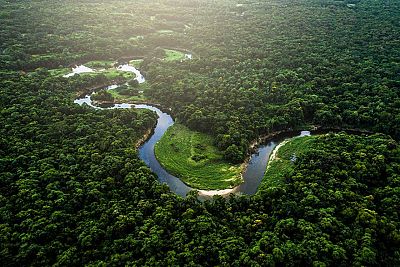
125,67
77,70
252,176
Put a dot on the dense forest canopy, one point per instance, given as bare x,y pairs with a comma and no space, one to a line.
74,192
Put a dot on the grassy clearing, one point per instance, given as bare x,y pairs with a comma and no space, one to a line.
116,93
114,73
136,62
173,55
100,64
59,72
283,164
192,157
125,98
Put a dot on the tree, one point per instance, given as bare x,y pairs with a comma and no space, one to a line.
233,154
133,83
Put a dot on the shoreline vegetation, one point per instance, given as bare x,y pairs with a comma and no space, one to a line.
203,188
114,76
274,171
281,161
271,177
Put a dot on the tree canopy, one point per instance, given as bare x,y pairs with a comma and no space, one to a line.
74,192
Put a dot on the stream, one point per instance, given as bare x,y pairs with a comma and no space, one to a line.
252,176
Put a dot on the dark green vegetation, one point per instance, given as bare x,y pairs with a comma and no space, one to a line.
285,64
192,157
129,93
282,161
73,191
103,96
100,64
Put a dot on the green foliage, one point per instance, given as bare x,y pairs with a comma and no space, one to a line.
136,62
173,55
192,157
133,83
103,96
100,64
129,94
281,166
73,191
279,67
233,153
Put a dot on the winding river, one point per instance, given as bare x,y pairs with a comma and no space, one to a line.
252,175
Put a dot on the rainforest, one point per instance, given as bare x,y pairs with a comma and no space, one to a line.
199,133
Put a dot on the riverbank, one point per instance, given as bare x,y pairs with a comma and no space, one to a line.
281,162
315,129
145,137
248,176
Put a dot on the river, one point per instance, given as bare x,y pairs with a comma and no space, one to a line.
252,176
255,168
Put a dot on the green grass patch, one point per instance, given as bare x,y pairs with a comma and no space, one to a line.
115,94
125,98
192,157
119,96
114,73
137,99
282,165
173,55
136,62
100,64
296,146
59,72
